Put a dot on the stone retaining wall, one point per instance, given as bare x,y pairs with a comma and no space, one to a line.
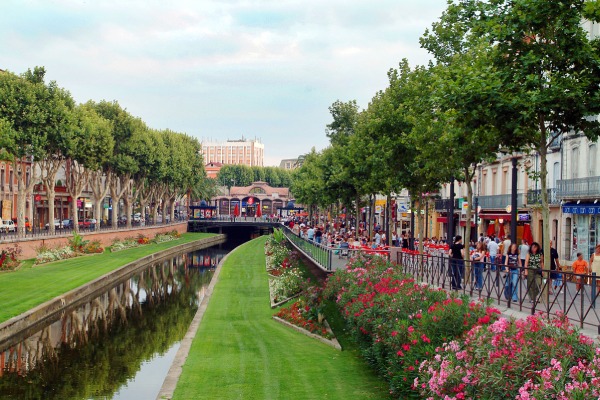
22,326
28,245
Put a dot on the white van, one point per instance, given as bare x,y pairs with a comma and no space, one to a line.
7,226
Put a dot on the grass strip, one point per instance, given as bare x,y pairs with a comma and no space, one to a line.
33,285
239,352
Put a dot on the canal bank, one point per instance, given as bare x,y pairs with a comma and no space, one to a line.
28,322
119,345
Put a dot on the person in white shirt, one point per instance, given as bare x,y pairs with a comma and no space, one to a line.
492,247
523,251
505,247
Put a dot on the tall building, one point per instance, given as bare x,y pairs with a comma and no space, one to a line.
289,164
240,151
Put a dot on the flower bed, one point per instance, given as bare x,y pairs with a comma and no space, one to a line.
141,240
397,322
77,247
523,359
286,279
9,258
431,344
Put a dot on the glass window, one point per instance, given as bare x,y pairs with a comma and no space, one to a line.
593,235
592,160
574,162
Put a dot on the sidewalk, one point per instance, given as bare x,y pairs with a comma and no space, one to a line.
239,352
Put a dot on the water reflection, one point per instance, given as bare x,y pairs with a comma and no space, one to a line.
95,350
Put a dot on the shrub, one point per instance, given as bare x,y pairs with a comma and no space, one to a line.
77,243
523,359
93,247
50,255
301,314
397,322
9,258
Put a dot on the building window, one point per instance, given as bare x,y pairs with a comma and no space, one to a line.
575,162
592,160
556,173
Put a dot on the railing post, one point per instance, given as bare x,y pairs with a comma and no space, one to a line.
593,290
330,260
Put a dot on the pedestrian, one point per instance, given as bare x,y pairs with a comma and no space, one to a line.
318,235
595,265
555,276
394,239
377,238
534,264
478,258
492,247
457,263
523,251
580,267
514,269
310,233
505,246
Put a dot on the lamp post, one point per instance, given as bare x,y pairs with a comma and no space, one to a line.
513,202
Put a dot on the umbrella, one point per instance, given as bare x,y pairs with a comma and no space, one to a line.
491,229
527,233
236,210
258,212
501,234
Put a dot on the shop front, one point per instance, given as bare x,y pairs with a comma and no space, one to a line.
582,221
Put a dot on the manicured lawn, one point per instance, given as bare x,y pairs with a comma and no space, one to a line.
239,352
30,286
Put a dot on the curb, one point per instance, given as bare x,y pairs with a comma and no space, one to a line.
329,342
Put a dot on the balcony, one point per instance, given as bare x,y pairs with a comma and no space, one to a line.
580,188
535,196
500,201
444,204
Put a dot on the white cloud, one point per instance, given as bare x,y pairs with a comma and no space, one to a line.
220,69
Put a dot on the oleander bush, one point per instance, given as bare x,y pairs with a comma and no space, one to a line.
9,258
530,358
397,322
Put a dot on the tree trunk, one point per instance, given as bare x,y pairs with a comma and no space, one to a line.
23,188
49,170
116,192
77,178
391,223
99,189
357,213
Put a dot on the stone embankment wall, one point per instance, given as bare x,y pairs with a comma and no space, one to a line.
22,326
28,245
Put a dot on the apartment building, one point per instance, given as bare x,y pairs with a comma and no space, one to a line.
242,151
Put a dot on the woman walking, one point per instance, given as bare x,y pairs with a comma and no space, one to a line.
512,266
478,258
534,264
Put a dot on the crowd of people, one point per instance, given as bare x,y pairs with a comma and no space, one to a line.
524,261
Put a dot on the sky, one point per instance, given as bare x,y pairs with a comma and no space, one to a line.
222,69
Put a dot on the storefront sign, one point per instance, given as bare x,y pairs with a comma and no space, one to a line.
524,217
581,209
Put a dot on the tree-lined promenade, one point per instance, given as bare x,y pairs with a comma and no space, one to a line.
99,144
506,76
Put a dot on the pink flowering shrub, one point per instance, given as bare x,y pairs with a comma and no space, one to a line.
523,359
398,322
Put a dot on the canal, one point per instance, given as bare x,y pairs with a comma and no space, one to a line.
119,345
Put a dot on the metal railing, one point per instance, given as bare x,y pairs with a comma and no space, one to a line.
535,196
328,258
35,233
578,188
579,301
500,201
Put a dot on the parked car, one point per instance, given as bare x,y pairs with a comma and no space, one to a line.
83,224
137,217
67,223
57,224
91,223
8,225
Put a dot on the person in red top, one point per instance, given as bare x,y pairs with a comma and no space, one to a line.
580,267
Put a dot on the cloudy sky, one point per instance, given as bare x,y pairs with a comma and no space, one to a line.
220,69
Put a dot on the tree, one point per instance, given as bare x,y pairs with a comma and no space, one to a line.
549,73
25,132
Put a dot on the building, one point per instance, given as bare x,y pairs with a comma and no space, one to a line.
241,151
212,169
249,198
289,164
9,190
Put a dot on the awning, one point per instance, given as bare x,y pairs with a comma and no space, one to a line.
443,220
464,223
505,217
582,208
